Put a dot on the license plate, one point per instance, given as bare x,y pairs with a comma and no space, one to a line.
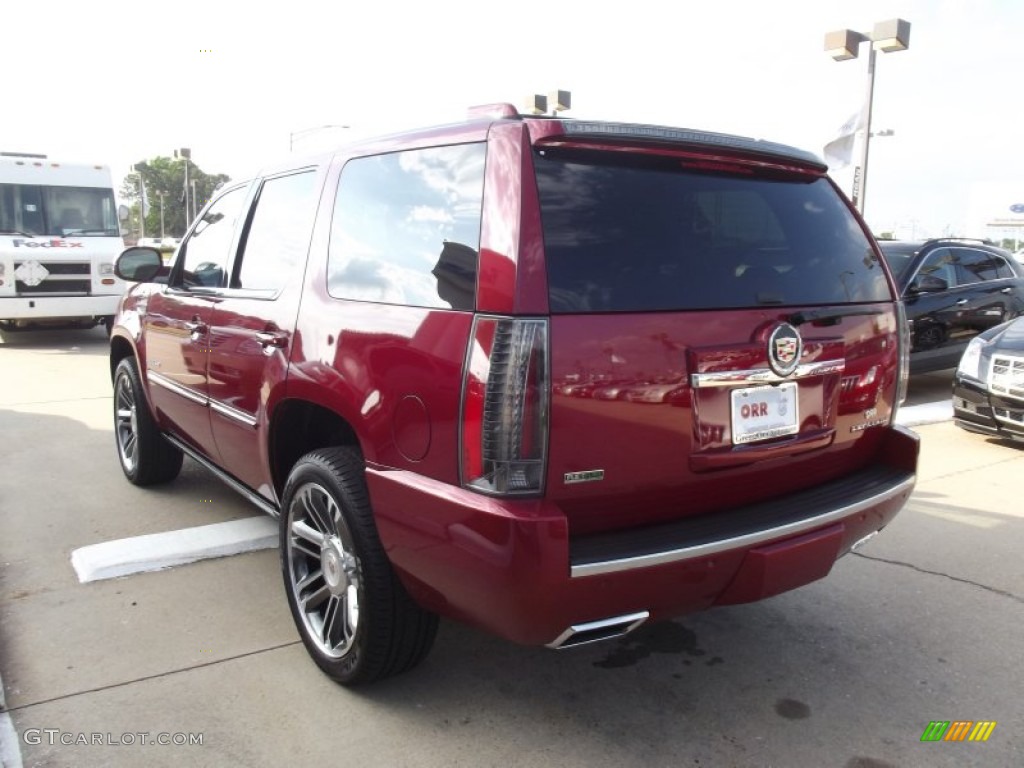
761,413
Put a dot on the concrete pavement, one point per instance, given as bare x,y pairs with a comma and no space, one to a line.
921,624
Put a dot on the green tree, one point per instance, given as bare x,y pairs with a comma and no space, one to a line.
164,178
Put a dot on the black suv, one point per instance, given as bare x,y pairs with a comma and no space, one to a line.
953,289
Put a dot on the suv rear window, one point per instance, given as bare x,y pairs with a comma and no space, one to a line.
641,233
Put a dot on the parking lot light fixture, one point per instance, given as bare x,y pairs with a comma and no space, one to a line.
841,45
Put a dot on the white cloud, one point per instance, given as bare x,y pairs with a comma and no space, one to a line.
425,213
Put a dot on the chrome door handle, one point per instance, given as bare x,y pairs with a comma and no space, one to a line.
961,302
1006,290
271,339
196,326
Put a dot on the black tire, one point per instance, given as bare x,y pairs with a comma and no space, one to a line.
931,337
146,458
357,621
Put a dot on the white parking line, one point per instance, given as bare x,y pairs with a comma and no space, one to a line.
10,748
110,559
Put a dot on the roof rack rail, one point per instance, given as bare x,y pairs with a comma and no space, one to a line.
956,238
497,110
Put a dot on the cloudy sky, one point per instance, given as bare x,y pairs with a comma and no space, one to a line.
118,82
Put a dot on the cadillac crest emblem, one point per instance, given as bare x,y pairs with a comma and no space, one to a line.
784,349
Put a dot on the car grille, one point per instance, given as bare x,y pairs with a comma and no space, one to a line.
1005,414
63,278
1006,376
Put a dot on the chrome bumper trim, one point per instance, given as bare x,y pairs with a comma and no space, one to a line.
764,375
746,540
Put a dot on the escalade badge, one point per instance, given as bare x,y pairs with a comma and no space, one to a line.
784,349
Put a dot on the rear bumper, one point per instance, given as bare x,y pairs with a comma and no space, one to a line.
512,568
43,307
978,410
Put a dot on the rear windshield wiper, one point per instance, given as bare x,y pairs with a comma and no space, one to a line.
829,316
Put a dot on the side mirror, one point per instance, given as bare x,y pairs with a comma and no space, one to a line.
122,212
928,284
139,264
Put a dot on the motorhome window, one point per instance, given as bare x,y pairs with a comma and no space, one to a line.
21,209
80,211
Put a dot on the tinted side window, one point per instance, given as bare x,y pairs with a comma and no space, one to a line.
641,233
899,257
940,263
979,266
278,237
406,228
205,253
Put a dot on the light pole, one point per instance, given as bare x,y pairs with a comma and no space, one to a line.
306,131
843,44
186,154
142,204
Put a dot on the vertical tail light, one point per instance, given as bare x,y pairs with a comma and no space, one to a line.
904,356
505,406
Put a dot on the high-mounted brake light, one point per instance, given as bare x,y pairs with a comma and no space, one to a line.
505,406
714,165
586,129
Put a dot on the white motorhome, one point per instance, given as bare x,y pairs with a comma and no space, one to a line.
59,238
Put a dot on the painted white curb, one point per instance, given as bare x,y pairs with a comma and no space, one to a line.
926,413
153,552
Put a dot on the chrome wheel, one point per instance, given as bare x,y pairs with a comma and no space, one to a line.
126,423
145,456
324,573
352,611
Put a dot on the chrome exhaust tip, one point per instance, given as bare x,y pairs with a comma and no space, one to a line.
595,631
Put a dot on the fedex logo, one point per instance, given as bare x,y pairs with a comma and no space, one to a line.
55,243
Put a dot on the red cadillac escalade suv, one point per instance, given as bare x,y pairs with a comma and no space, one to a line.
549,377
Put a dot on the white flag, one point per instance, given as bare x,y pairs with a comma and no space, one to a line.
839,151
